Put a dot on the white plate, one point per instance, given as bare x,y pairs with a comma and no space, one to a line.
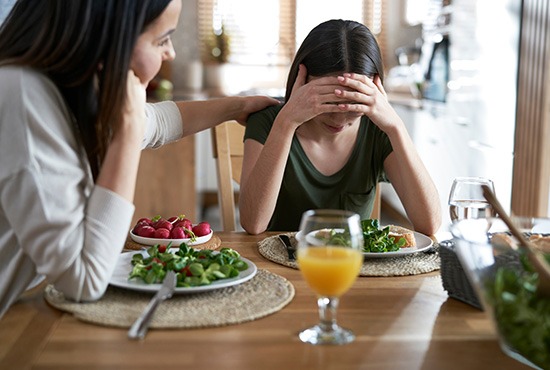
175,242
124,267
311,238
422,243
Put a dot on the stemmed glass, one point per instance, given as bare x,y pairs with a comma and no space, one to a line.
466,198
329,255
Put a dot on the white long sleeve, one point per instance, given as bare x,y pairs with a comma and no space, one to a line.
53,220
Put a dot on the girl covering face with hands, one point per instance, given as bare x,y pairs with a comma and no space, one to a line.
73,122
333,140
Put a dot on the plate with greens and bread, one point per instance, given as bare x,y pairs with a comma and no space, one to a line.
379,241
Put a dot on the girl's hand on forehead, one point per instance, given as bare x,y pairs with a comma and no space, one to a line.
361,83
311,98
368,97
320,85
360,89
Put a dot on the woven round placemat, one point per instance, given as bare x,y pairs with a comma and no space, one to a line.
264,294
409,264
214,243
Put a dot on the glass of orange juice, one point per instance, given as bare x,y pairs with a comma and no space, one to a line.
329,256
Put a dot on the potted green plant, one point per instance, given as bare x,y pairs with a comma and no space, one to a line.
218,47
215,58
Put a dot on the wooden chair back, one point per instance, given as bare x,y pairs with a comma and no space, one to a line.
228,148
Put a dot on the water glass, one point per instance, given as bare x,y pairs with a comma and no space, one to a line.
466,198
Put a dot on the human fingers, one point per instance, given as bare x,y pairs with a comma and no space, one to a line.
357,82
315,92
369,98
319,90
359,88
315,85
135,90
253,104
134,107
316,96
300,78
310,101
378,82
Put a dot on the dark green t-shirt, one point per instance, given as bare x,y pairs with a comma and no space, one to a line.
304,187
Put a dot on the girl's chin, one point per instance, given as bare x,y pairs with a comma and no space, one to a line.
335,129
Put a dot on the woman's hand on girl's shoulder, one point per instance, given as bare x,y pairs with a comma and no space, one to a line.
253,104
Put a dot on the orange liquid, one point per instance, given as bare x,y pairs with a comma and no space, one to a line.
330,271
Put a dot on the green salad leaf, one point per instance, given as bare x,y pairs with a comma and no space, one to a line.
193,267
379,240
522,316
376,240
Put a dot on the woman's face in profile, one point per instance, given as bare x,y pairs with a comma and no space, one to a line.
154,45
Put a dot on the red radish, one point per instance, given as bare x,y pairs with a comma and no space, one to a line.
163,224
144,221
185,223
162,233
202,229
137,228
175,227
145,231
177,233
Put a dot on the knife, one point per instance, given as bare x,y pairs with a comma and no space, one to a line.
140,326
285,239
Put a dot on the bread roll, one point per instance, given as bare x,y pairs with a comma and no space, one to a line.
400,232
542,242
503,239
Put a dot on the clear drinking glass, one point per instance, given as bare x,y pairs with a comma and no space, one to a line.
466,198
329,256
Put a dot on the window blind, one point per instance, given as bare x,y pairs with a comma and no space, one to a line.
268,32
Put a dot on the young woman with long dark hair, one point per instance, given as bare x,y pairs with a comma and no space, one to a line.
73,121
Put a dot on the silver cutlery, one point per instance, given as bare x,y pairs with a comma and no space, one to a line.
140,326
285,239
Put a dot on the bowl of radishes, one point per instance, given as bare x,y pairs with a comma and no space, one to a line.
174,231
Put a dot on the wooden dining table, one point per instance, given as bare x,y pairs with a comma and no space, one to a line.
405,322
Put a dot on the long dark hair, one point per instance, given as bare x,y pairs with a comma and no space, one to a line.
337,46
85,47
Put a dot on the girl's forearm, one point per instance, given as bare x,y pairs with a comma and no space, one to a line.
260,187
414,184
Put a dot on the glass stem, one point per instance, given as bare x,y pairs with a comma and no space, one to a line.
327,312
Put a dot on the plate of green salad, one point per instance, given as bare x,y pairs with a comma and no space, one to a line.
197,270
378,242
423,243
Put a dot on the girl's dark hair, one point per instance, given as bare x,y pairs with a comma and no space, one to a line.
337,46
85,47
